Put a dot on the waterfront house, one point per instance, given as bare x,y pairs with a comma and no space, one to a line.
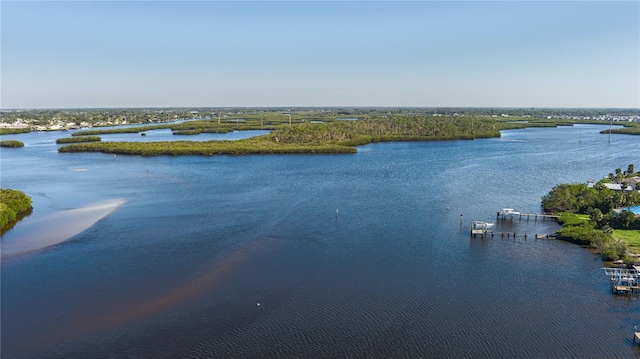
617,186
632,182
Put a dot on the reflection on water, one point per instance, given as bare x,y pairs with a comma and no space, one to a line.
54,228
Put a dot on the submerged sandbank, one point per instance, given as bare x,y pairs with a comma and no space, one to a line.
58,227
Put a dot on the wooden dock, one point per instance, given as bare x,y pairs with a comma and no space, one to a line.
477,229
623,280
501,234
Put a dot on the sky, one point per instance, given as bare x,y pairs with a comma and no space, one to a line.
85,54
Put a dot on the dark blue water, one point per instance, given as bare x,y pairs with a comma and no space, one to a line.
244,256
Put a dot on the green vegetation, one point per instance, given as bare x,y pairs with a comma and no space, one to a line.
630,128
631,237
589,218
14,131
13,203
572,219
187,132
332,136
11,143
208,148
302,136
78,139
226,119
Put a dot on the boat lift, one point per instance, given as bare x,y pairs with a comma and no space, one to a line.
624,280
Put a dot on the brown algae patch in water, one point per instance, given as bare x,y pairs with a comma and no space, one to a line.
95,317
58,227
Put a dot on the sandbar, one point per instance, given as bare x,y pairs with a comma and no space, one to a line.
57,227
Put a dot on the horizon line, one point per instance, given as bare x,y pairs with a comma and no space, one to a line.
316,107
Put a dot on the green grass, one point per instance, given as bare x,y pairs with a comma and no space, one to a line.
572,219
631,236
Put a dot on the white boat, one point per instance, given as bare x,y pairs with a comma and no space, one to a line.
506,211
481,225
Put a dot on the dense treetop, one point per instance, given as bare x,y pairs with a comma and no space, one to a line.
12,204
603,210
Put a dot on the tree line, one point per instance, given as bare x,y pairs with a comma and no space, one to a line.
603,210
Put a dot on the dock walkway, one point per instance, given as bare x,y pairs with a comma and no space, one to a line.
488,233
510,213
479,228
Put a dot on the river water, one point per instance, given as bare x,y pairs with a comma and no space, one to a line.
314,256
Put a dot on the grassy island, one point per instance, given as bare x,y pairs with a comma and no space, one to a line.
14,131
315,132
599,215
306,137
76,139
187,132
630,128
13,204
11,143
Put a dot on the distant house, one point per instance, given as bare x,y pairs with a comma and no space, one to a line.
628,184
617,186
632,183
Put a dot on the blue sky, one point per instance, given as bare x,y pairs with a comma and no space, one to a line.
162,54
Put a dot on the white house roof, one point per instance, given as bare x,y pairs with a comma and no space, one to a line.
616,187
632,180
613,186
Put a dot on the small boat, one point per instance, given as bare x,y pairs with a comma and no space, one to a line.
481,225
506,211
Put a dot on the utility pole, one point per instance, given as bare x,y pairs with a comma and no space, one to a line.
610,123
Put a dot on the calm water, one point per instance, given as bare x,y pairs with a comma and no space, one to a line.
245,257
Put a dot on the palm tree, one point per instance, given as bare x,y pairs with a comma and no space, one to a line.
596,216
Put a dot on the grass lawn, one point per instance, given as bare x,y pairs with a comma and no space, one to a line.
632,237
572,219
